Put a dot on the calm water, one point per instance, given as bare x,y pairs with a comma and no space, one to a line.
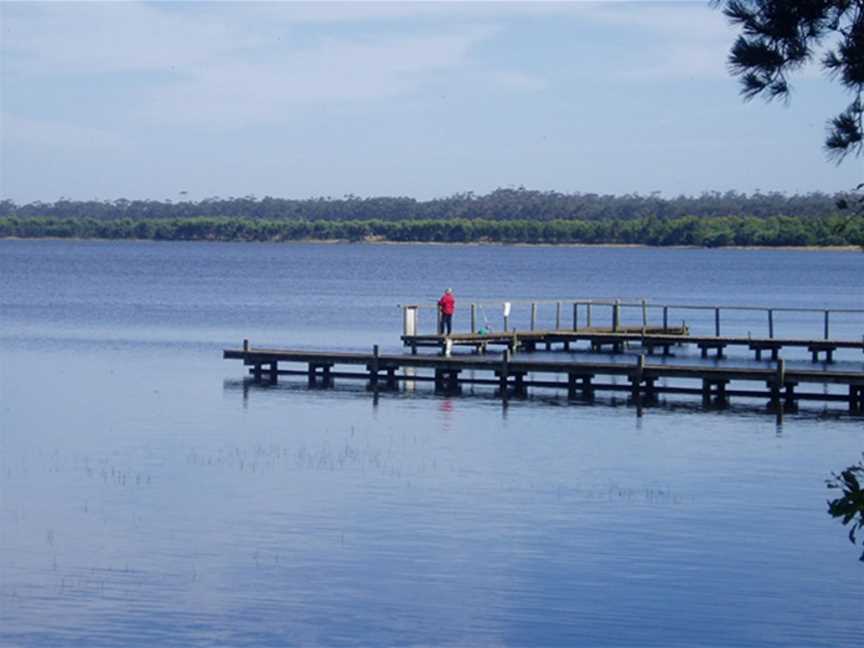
147,498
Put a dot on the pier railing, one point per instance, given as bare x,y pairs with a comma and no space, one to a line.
702,319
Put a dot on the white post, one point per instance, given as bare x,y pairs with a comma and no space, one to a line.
409,320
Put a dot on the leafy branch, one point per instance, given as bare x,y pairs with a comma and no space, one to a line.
850,507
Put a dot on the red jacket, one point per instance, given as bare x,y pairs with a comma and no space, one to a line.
447,304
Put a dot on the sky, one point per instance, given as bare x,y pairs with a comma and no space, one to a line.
177,101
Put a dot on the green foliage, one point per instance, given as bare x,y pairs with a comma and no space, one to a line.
850,507
502,204
782,36
687,230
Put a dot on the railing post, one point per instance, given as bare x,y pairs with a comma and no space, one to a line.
665,318
771,323
245,344
588,309
644,313
826,323
575,315
533,314
616,315
557,316
717,321
473,318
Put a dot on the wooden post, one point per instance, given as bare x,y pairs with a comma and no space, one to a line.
826,323
575,315
533,315
439,380
373,371
504,378
637,376
770,323
588,309
856,396
665,318
245,345
779,380
473,318
637,383
717,321
558,316
519,383
453,381
616,315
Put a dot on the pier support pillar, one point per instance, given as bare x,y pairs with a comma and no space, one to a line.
853,399
790,403
391,378
579,386
714,393
650,390
856,399
519,383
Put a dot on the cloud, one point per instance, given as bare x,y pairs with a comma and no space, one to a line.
230,63
47,136
333,70
519,81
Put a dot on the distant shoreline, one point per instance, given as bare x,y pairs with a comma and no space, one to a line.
377,241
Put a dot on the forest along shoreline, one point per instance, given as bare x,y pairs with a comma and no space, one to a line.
835,233
504,216
376,241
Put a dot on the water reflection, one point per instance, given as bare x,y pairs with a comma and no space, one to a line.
541,397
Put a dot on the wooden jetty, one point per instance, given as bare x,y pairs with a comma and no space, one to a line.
512,375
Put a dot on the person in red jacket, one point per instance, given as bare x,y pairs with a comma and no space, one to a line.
446,306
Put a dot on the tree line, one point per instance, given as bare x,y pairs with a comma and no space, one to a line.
687,230
517,204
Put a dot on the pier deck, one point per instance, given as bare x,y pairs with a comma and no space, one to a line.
514,375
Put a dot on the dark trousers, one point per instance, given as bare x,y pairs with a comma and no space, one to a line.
446,323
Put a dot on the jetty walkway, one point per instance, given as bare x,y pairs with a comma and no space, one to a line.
520,365
512,376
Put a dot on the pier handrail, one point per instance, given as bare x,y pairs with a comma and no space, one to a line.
617,306
639,304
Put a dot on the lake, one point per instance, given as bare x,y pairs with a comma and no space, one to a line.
149,496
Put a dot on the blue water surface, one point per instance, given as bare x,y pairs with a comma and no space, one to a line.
151,496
